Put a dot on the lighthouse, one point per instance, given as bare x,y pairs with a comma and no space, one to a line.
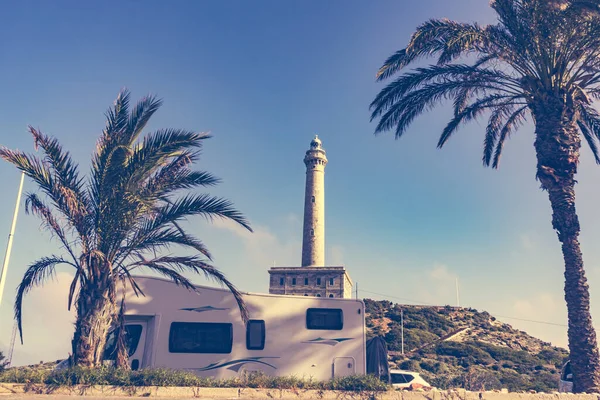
313,233
313,277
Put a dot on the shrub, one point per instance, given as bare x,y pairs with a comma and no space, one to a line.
166,377
474,354
3,362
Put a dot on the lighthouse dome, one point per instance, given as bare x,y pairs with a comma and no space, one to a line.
316,143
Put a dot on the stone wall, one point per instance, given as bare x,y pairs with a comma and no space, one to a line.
325,289
25,391
347,287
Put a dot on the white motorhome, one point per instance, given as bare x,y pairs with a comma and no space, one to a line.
203,332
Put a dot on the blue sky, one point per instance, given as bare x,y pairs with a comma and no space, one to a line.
263,77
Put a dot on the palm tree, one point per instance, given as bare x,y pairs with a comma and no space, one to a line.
539,61
125,216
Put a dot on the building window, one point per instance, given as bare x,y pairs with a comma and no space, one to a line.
318,281
293,281
318,295
313,199
281,281
305,294
312,232
200,337
306,281
255,335
325,319
331,295
331,281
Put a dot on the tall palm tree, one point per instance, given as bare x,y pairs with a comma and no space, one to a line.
125,216
539,61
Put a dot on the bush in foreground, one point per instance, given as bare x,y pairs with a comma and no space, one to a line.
3,362
165,377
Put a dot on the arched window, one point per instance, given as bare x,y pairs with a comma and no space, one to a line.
331,295
318,295
305,294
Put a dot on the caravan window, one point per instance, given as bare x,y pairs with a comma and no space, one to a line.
200,337
325,318
255,335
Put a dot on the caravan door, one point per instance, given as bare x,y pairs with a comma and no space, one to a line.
136,342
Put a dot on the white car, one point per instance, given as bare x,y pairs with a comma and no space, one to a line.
403,379
565,383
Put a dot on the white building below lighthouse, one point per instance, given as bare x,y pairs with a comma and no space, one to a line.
313,277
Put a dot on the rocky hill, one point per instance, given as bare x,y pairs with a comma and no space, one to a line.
461,347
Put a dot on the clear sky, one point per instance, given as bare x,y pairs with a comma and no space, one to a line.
405,218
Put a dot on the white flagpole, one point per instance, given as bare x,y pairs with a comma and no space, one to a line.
457,298
10,239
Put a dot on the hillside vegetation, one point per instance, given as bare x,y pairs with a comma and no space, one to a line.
461,347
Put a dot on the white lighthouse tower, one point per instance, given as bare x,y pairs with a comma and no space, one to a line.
313,237
313,277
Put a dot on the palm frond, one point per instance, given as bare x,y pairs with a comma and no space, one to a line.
590,139
140,115
65,169
174,176
405,110
111,149
589,125
510,126
591,118
473,111
37,207
171,267
448,38
157,147
495,123
209,207
471,77
78,278
393,64
118,116
148,238
70,204
37,273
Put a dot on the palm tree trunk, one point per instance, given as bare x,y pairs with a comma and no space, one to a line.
557,146
96,308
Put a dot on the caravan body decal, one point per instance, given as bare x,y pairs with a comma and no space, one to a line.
330,342
235,365
203,309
